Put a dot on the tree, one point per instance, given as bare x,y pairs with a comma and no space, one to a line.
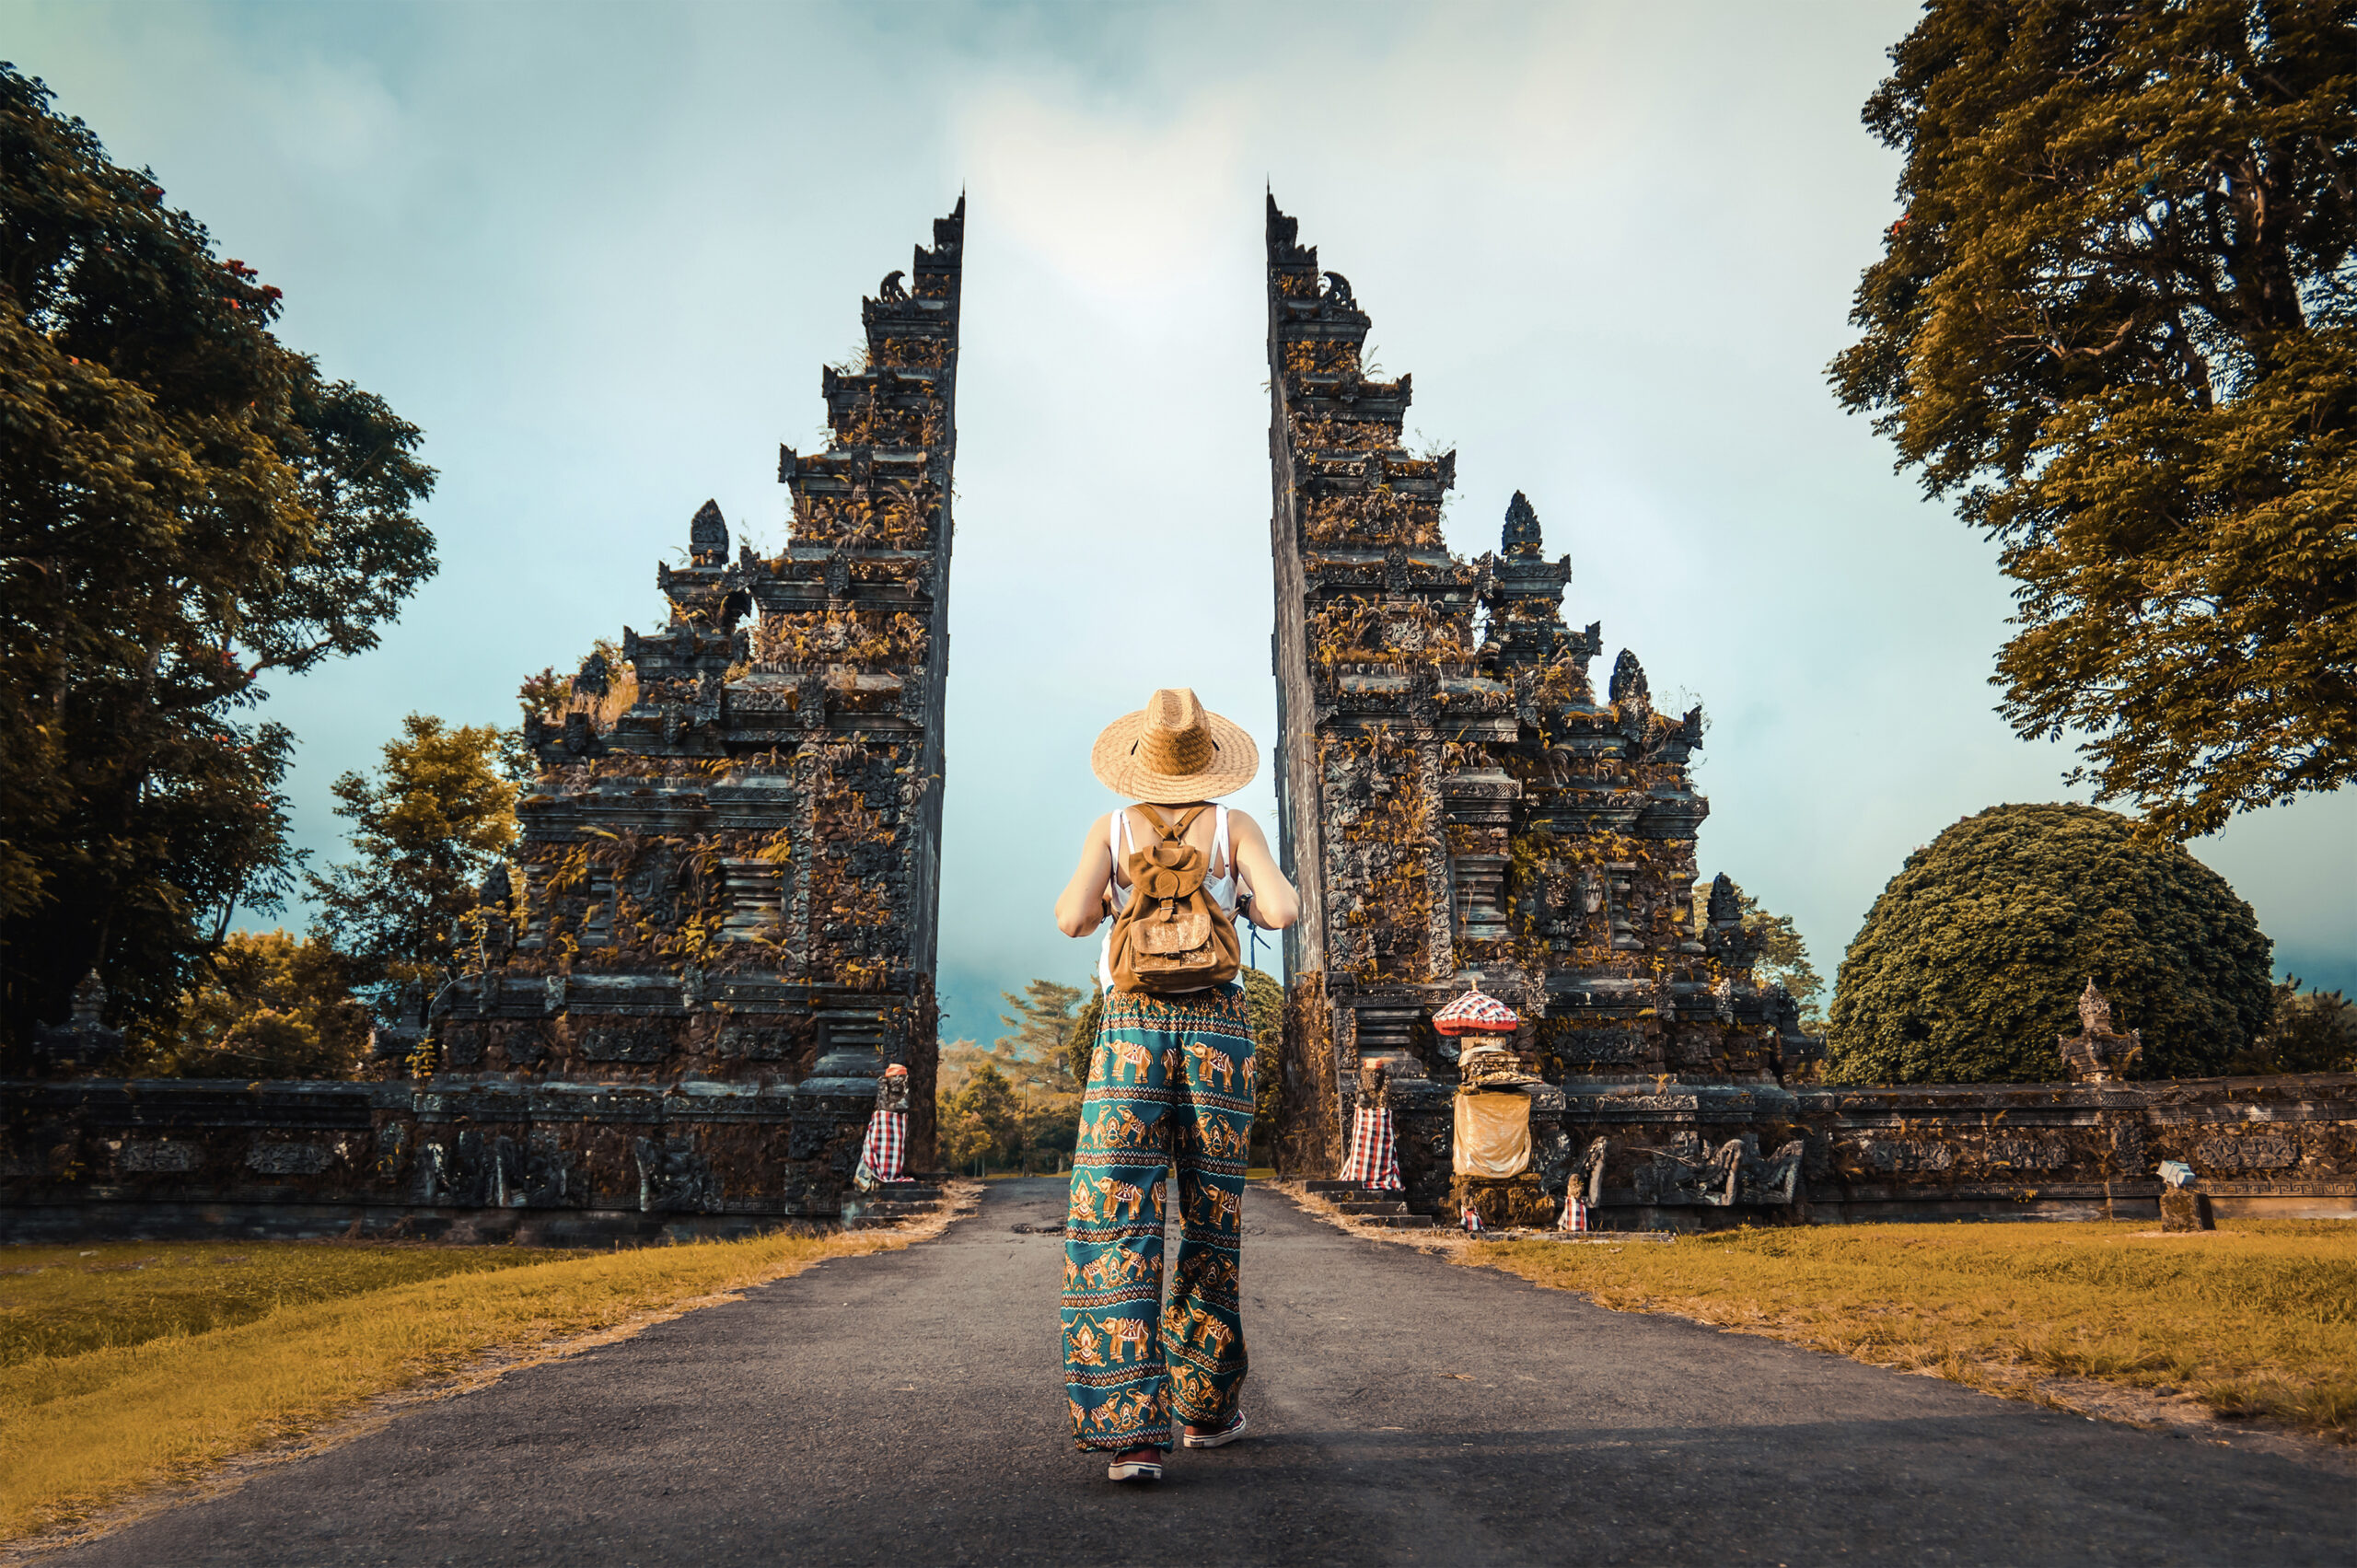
1266,997
1782,953
1971,964
185,506
983,1123
272,1008
426,828
2309,1031
1080,1040
2118,319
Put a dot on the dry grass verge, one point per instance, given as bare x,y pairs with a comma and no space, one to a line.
165,1383
2257,1319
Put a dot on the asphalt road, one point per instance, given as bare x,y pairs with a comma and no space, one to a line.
906,1408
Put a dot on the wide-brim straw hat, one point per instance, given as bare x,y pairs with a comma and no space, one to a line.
1174,749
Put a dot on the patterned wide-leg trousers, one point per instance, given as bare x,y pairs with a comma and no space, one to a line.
1171,1083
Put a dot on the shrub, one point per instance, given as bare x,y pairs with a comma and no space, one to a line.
2311,1031
1970,963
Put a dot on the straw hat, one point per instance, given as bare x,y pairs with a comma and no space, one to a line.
1173,750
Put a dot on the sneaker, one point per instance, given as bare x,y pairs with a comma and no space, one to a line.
1134,1469
1228,1433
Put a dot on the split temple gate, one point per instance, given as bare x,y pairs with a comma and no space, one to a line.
719,926
1456,801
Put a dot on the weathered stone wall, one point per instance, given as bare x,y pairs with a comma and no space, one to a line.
1457,800
559,1163
718,926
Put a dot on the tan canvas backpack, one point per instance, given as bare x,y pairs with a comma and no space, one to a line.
1172,937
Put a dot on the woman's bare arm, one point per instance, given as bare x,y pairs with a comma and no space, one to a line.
1080,908
1274,904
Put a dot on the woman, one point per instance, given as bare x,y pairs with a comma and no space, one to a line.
1169,1083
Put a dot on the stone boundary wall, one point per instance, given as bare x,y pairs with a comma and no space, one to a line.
550,1162
1707,1156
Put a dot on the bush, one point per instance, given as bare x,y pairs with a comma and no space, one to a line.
1971,961
274,1007
2313,1031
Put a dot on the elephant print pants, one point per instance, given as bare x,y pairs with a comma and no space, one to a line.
1171,1083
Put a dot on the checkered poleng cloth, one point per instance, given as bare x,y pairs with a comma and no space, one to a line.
887,1150
1375,1157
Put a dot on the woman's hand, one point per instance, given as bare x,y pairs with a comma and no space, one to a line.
1270,902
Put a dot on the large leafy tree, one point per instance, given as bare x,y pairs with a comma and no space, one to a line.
185,506
1971,964
426,828
2118,320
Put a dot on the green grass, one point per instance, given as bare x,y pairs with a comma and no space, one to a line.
138,1364
2257,1319
65,1301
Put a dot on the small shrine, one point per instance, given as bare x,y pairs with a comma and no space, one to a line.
83,1042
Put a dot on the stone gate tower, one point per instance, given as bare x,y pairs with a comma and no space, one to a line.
1454,798
728,877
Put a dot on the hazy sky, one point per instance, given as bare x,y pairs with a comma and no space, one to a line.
599,252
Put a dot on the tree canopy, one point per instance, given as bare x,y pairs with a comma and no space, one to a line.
2118,320
2309,1031
1971,964
273,1006
186,505
426,828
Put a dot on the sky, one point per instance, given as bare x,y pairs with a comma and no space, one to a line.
599,252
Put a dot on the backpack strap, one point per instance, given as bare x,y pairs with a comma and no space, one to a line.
1168,830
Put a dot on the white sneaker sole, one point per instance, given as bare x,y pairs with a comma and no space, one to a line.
1136,1469
1216,1439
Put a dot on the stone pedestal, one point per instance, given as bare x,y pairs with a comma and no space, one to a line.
2184,1209
1516,1202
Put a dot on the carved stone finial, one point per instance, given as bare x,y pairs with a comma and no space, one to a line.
890,289
1629,679
498,887
1338,292
90,1001
1727,908
2095,1010
1522,528
708,536
594,678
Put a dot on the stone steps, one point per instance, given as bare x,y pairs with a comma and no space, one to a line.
1363,1205
889,1204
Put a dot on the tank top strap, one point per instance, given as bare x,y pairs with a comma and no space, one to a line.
1221,855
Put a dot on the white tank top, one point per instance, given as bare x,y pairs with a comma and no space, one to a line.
1222,888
